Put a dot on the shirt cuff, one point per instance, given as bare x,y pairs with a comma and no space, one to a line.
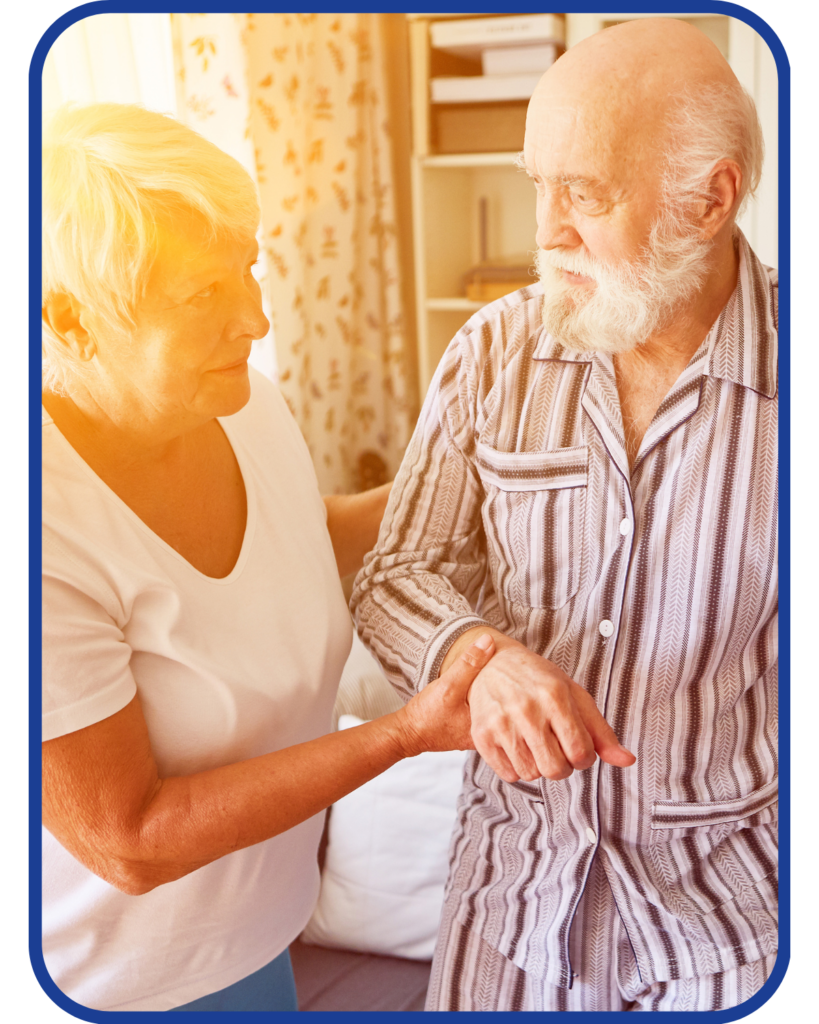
438,645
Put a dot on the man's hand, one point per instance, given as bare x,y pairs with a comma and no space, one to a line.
529,719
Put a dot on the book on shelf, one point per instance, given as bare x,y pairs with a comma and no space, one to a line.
483,88
519,60
468,37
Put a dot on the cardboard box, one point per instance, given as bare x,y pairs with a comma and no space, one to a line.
478,127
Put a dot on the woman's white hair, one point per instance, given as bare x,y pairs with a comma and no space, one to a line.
113,174
705,125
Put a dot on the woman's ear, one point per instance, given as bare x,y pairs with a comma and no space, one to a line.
717,208
64,315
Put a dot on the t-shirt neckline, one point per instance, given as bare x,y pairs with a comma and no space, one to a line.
250,496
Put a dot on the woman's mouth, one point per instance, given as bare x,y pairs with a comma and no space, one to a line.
232,369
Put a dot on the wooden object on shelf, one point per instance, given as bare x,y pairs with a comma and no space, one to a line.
490,281
488,291
478,127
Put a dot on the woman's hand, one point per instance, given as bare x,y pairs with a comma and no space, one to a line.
438,717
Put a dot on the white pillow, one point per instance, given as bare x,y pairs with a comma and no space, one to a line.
382,886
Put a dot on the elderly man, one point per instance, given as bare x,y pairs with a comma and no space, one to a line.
594,476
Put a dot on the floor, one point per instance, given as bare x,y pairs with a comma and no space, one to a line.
335,979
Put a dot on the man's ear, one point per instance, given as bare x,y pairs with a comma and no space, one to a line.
723,189
64,315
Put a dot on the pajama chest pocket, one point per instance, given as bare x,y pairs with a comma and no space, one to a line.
534,518
709,853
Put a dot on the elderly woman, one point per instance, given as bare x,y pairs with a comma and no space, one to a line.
194,623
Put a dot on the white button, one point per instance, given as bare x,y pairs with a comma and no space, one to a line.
591,836
625,527
606,627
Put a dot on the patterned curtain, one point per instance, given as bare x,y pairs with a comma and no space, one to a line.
308,94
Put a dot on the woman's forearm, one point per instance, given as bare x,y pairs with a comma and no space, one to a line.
198,818
165,828
353,521
104,801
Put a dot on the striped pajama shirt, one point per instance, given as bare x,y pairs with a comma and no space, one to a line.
654,588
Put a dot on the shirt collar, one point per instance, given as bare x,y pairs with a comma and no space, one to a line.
741,345
743,341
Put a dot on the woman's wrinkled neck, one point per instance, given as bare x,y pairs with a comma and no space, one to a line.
106,434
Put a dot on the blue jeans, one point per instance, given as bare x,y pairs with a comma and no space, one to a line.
271,988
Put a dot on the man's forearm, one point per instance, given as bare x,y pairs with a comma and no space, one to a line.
353,521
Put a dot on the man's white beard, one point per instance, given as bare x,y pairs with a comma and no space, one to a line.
630,302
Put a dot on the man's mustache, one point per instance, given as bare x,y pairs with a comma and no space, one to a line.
574,263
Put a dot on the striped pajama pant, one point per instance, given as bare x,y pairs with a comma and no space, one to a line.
468,974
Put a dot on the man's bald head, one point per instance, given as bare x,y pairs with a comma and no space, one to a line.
642,146
638,65
660,101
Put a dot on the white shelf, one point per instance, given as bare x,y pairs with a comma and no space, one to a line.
469,160
456,303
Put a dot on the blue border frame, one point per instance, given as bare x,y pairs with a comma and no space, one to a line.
35,479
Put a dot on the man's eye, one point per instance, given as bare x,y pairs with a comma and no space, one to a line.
206,293
585,202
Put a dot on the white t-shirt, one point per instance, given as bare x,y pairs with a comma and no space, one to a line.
226,670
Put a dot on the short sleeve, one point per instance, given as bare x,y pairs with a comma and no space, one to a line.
86,661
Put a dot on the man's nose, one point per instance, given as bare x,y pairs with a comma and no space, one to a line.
554,227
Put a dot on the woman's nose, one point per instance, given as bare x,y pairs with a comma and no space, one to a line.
248,314
261,325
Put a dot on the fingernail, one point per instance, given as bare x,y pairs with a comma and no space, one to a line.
485,642
625,750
